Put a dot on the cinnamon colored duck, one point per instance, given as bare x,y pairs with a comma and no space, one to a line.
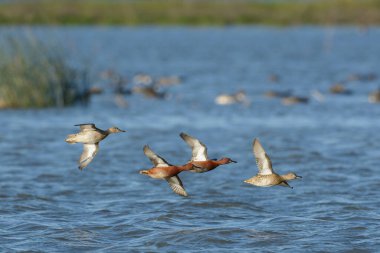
90,136
266,176
163,170
199,158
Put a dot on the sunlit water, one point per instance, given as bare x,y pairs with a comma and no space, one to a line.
47,204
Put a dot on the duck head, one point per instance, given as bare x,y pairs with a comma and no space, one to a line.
291,176
226,160
113,130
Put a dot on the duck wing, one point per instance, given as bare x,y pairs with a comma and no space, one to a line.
87,127
199,150
157,160
89,152
176,185
262,159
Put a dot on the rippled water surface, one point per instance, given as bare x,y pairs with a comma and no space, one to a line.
47,204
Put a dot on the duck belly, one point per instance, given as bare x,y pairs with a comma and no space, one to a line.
263,181
87,137
202,166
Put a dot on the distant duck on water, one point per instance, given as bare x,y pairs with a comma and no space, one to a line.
228,99
340,89
374,97
149,91
294,100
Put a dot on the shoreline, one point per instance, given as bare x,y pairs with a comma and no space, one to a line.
191,13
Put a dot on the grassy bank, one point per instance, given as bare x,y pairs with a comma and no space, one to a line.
33,74
191,12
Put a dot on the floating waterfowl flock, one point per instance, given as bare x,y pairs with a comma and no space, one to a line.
90,136
152,87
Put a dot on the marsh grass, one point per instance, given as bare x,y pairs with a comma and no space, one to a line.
190,12
34,74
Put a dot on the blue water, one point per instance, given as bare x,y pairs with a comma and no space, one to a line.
48,205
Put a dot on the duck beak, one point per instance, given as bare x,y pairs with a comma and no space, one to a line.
122,131
232,161
143,172
298,177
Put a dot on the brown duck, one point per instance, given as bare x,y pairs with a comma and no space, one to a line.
199,158
266,176
163,170
90,136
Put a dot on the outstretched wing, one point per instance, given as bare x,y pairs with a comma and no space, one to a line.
262,159
176,185
86,126
199,150
157,160
89,152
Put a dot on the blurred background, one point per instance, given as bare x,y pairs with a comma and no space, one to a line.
302,76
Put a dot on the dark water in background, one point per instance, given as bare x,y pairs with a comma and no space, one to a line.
46,204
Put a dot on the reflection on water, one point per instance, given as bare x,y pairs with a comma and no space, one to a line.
48,204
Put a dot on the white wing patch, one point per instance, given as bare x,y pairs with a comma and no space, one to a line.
89,152
262,159
199,150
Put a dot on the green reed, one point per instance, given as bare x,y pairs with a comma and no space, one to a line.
191,12
33,74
